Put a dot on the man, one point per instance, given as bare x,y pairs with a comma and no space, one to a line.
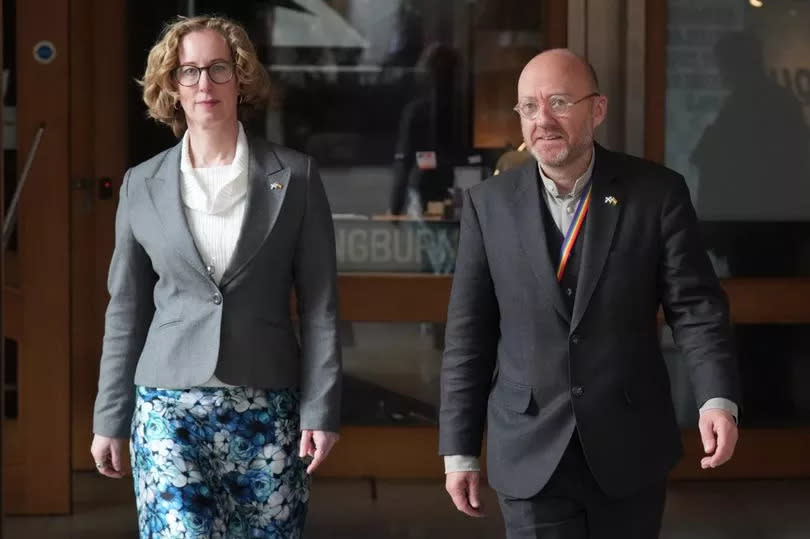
552,332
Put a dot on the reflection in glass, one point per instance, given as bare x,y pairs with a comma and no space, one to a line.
738,103
402,103
738,128
429,142
391,373
758,138
775,368
405,246
9,111
382,93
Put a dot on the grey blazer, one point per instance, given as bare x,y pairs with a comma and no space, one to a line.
169,325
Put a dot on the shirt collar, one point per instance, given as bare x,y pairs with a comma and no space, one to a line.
579,184
240,157
215,189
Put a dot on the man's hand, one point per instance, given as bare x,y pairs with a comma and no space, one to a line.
316,444
464,489
718,431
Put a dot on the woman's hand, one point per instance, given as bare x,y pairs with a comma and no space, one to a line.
317,444
107,454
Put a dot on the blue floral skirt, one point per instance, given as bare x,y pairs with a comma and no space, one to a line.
217,463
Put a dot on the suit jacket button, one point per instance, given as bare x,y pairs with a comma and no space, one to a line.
217,299
577,391
575,339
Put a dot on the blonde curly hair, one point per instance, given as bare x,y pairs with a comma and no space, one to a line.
160,89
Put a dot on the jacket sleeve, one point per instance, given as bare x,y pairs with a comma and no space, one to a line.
695,305
315,273
471,341
131,282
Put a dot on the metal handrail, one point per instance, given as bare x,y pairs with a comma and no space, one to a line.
11,216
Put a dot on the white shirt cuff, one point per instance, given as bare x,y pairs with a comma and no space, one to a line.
461,463
719,403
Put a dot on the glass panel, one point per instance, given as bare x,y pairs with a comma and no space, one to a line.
411,246
9,109
738,107
391,373
775,366
10,378
402,103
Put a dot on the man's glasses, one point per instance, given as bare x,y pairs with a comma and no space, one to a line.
557,105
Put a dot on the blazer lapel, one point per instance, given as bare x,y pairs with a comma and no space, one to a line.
532,235
164,190
600,223
267,186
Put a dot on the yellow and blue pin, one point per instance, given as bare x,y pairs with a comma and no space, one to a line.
611,200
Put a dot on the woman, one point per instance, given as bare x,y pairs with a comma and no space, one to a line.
201,365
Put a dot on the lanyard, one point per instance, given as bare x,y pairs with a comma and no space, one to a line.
573,230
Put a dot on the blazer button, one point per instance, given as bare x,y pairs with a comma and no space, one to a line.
577,391
217,298
575,339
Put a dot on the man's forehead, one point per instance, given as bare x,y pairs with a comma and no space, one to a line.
545,88
551,82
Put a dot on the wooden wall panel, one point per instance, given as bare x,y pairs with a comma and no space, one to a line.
99,134
412,452
84,347
655,90
44,373
424,297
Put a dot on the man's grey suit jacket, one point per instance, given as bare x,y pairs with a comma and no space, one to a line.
169,325
517,357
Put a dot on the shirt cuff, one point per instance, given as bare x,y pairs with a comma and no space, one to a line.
719,403
461,463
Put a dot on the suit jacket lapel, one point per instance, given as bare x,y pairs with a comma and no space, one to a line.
267,186
600,224
164,190
532,235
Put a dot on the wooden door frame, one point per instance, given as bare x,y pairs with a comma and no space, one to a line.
55,311
2,300
99,84
655,80
37,478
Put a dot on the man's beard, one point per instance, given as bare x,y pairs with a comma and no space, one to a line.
564,155
556,159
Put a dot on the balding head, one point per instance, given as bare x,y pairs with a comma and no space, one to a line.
563,66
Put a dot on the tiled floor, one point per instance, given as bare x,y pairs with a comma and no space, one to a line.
347,509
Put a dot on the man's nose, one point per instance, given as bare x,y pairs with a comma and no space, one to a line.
544,116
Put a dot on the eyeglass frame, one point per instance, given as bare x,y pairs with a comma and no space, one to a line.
569,105
200,69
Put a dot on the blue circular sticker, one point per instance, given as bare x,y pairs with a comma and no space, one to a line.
44,52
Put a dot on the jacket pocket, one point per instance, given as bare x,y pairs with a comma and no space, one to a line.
164,320
511,395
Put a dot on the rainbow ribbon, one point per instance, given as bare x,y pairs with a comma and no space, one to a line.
573,231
